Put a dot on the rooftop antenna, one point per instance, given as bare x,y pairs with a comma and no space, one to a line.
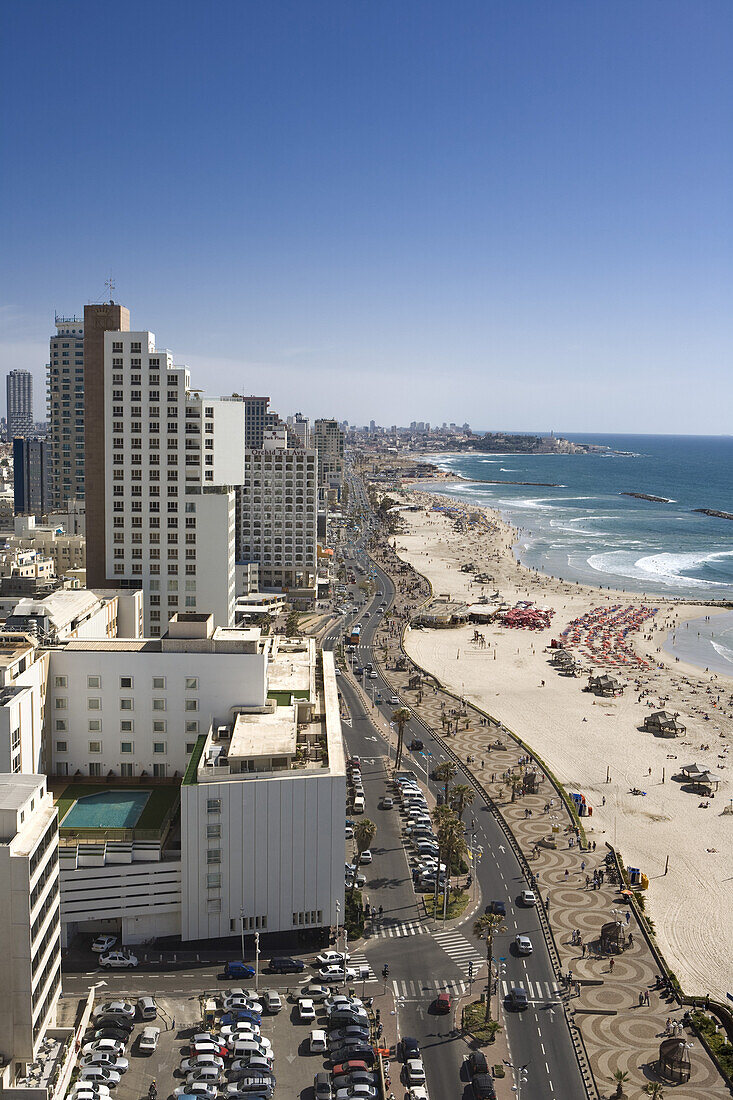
110,285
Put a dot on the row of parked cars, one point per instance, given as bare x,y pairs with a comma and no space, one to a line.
235,1059
345,1042
103,1058
356,788
422,842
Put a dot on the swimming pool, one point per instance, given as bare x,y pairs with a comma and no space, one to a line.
106,809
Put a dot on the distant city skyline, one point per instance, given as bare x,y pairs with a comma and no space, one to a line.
510,214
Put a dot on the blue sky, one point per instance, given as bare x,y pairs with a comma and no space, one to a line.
517,214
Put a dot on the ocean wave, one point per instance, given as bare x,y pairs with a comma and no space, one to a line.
722,651
506,470
663,568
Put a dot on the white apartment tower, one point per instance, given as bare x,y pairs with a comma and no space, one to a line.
30,920
170,459
328,439
19,393
65,409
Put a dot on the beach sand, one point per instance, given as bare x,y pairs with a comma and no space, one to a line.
581,737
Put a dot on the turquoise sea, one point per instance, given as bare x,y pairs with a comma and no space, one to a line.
581,527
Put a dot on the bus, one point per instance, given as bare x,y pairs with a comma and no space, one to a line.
355,636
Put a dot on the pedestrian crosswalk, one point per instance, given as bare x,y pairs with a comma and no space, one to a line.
460,951
398,928
407,990
536,991
357,962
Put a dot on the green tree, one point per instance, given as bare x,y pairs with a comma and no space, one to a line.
620,1077
486,927
444,773
364,833
292,624
400,717
461,796
655,1089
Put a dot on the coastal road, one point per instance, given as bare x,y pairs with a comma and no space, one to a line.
539,1037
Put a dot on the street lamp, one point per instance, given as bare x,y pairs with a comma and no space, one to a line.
241,919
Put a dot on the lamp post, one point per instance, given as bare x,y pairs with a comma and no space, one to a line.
257,960
241,920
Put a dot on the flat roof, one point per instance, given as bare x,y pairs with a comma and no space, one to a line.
272,734
16,788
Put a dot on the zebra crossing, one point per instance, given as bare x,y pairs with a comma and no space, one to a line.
357,962
418,991
398,929
460,951
536,991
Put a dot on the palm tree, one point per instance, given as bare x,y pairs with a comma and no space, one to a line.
486,927
655,1089
400,717
364,833
620,1077
517,782
444,773
461,796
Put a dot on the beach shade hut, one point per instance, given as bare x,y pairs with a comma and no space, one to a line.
691,771
707,781
613,937
664,724
674,1060
605,685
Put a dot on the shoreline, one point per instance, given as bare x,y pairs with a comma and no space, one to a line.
585,739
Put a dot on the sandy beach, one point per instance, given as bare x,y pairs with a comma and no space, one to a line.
583,738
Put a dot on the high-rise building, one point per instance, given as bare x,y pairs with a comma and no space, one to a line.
65,410
19,389
162,517
30,925
277,510
328,439
300,428
30,476
257,420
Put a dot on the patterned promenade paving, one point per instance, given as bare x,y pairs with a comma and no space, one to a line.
618,1032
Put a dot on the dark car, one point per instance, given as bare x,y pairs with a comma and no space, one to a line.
517,997
410,1048
477,1063
322,1086
416,744
118,1022
498,907
238,969
483,1087
285,965
340,1069
112,1033
358,1077
354,1052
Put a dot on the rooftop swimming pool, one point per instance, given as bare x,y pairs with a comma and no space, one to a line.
106,810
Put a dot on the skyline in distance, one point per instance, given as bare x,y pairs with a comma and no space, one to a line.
500,216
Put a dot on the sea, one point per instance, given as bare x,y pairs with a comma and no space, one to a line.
578,525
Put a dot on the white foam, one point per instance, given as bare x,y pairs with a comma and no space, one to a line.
664,568
722,651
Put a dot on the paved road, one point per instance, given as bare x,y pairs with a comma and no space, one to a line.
539,1037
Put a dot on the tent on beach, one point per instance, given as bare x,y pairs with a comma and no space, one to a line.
664,723
605,685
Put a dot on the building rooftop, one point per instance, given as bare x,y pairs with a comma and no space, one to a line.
271,734
16,789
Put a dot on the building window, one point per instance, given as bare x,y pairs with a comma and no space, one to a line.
213,905
95,725
95,746
192,683
158,681
126,682
213,832
213,806
158,704
62,746
61,704
159,747
127,770
61,725
127,725
60,681
125,704
192,727
159,770
94,704
192,704
95,770
213,880
94,682
127,746
213,855
190,746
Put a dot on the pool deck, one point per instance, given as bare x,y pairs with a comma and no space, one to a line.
157,811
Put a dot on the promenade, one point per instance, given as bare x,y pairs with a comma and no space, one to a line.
615,1007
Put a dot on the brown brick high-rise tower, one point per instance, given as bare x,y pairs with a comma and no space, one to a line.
98,319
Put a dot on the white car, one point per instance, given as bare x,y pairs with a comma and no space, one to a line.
148,1041
100,1075
104,943
117,960
306,1011
206,1092
337,974
348,832
231,1004
111,1061
115,1008
332,958
318,1042
87,1090
418,1093
528,897
188,1065
366,856
339,1000
523,945
210,1075
313,992
112,1047
415,1072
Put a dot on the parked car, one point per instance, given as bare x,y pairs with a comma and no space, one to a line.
272,1001
103,1076
285,965
332,958
256,1086
121,1023
313,992
357,1092
340,1000
148,1041
231,1004
246,1067
103,943
409,1047
387,803
147,1009
306,1011
366,856
188,1065
260,1047
208,1046
477,1063
318,1042
337,974
111,1061
113,1047
349,1066
483,1087
200,1090
117,960
351,1033
354,1052
358,1077
208,1073
322,1087
523,945
238,969
116,1008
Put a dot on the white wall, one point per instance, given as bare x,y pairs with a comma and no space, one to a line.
144,899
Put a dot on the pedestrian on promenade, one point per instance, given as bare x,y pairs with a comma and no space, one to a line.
628,917
646,996
583,946
641,1000
582,866
610,966
631,939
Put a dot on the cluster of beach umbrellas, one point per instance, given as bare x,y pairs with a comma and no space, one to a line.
601,634
524,615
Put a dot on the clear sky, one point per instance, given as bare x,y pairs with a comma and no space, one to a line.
517,214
